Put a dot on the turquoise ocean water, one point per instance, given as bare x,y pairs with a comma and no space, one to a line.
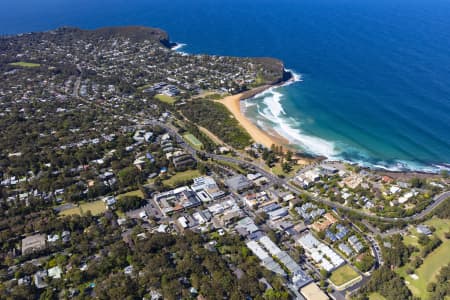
375,75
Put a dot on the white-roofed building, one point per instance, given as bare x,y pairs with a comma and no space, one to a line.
267,260
278,214
323,255
206,188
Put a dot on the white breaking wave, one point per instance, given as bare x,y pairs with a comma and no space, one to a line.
270,108
247,104
398,166
296,77
289,128
178,47
273,102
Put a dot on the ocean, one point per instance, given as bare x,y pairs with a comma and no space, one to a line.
374,75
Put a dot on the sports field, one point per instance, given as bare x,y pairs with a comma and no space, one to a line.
193,140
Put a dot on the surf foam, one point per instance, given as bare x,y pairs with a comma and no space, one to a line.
272,115
178,47
288,127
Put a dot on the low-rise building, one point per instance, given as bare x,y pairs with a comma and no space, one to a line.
356,243
206,189
266,259
183,161
33,243
422,229
278,213
39,279
345,249
313,292
323,255
176,200
55,272
238,183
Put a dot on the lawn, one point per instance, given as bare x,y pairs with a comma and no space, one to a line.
181,177
193,140
412,239
165,99
376,296
96,207
433,262
278,170
137,193
343,275
25,64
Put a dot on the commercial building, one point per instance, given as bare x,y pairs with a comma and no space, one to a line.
206,189
313,292
176,200
238,183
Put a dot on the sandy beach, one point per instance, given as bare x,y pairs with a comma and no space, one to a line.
259,136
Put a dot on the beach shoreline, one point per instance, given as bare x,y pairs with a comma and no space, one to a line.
258,135
269,138
233,104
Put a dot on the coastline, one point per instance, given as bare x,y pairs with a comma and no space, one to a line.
258,135
233,104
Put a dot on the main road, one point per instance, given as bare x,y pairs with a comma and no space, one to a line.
438,199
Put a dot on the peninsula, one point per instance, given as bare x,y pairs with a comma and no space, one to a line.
128,171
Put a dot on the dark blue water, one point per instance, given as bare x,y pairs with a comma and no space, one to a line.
376,74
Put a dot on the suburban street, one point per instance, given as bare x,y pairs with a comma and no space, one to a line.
285,182
370,239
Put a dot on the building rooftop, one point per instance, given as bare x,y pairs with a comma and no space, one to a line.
33,243
238,183
313,292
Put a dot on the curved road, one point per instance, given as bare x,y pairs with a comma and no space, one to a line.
285,183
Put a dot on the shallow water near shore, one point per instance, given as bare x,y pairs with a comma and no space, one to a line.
375,74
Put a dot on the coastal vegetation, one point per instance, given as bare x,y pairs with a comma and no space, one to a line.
89,139
216,118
